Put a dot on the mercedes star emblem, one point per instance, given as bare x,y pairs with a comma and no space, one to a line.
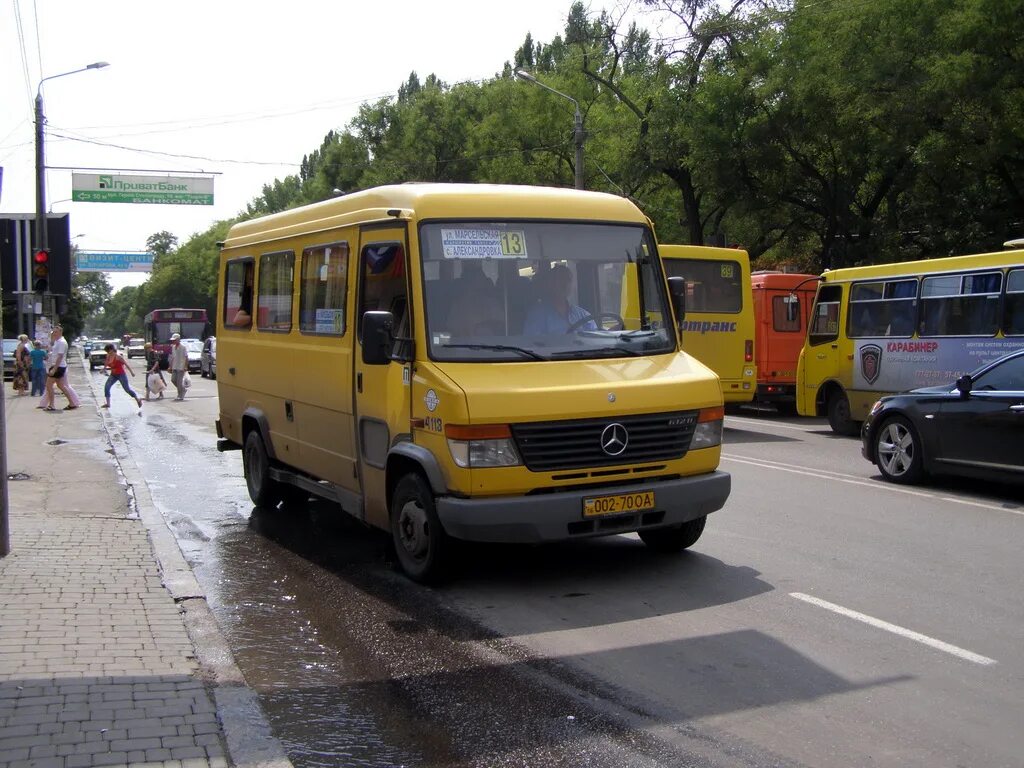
614,439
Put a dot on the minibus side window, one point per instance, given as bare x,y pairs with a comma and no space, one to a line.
383,277
960,305
274,310
883,308
324,290
1013,307
238,282
825,318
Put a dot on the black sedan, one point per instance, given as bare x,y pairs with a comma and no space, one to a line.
973,428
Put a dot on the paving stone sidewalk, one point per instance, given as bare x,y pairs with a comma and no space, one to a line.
96,666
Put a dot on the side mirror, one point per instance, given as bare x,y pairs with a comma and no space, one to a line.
677,292
964,384
378,337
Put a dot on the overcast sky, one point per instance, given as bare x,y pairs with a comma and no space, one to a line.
248,87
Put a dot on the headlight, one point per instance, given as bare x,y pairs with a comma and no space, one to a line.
488,445
708,432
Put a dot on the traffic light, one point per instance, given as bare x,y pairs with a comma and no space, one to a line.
41,270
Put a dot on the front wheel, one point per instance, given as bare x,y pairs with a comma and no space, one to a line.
838,408
421,544
674,538
898,451
263,490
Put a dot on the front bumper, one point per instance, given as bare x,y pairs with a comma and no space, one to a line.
559,516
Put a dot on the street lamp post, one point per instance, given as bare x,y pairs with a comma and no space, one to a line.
578,133
41,236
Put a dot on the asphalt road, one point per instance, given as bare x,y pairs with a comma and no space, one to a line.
825,618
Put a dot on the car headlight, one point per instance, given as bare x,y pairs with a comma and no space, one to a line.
488,445
708,432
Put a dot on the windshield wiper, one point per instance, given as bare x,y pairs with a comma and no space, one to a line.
598,352
499,348
639,333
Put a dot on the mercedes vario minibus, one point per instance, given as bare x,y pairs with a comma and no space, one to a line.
453,361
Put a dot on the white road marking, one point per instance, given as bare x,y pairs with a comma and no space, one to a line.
895,629
769,425
823,474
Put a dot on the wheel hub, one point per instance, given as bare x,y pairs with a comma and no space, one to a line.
896,449
412,529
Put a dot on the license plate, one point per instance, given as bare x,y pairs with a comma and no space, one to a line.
619,502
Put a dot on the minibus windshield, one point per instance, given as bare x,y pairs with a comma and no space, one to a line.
528,290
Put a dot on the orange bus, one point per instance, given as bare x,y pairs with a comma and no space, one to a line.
782,306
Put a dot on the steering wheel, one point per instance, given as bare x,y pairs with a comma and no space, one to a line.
601,316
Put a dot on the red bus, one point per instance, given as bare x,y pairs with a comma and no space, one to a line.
782,306
161,324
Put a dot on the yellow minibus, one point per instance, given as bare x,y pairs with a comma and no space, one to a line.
719,326
457,361
889,328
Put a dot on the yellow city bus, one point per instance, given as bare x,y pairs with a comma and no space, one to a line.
893,327
460,361
719,327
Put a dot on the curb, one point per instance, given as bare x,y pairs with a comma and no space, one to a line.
250,742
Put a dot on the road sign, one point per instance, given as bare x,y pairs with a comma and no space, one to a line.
165,190
93,261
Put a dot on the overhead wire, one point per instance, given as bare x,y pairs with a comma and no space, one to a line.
23,50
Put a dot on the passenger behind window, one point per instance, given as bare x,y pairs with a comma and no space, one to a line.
243,317
476,310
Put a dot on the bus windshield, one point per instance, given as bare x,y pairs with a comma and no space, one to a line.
516,291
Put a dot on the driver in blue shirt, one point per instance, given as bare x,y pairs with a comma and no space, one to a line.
555,313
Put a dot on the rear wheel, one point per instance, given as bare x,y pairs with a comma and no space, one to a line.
674,538
898,451
838,408
422,547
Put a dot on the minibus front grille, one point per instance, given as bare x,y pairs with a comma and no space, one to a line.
579,443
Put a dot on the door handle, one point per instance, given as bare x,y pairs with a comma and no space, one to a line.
288,412
231,371
359,382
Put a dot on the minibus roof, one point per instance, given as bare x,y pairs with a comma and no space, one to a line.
441,201
698,251
992,260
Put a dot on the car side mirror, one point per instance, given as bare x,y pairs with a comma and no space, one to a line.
677,292
378,337
964,384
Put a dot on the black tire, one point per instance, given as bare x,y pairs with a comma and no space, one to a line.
674,538
422,547
786,408
263,491
897,450
838,410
